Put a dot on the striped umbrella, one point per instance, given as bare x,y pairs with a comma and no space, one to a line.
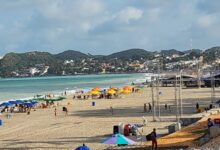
118,139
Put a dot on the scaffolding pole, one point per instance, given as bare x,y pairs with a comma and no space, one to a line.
153,101
158,98
176,101
180,95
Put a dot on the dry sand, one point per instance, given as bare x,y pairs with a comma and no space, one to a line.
90,124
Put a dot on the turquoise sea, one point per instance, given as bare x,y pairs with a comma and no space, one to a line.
18,88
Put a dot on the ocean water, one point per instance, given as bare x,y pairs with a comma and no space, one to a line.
18,88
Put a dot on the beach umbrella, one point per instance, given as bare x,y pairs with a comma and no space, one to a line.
94,92
96,89
118,139
12,102
19,101
82,148
55,99
6,104
114,88
120,90
126,88
110,91
34,102
126,91
28,104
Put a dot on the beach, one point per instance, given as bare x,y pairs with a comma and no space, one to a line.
92,124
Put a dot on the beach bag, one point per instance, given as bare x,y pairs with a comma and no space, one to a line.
148,137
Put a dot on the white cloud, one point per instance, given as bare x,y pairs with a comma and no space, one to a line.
206,21
107,24
129,13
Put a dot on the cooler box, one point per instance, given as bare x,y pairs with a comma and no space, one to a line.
126,130
115,129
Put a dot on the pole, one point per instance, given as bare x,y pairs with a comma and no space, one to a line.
152,93
158,98
176,100
212,88
180,95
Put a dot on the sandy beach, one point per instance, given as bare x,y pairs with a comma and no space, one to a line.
91,124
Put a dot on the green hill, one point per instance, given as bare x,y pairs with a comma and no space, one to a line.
71,55
132,54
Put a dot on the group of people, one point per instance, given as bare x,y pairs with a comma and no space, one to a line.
198,109
17,108
166,107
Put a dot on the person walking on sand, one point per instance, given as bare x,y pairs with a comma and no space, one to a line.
65,110
197,106
149,106
55,111
165,106
154,139
209,125
145,107
111,110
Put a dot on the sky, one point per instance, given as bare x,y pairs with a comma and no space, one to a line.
107,26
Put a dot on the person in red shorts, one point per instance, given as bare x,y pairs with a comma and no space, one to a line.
154,139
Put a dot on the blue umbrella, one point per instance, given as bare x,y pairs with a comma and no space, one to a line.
6,104
19,101
34,102
82,147
28,104
12,102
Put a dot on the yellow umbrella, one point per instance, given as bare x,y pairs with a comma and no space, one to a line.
126,91
111,91
126,88
96,89
120,91
94,92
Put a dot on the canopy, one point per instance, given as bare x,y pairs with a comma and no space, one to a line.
118,139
